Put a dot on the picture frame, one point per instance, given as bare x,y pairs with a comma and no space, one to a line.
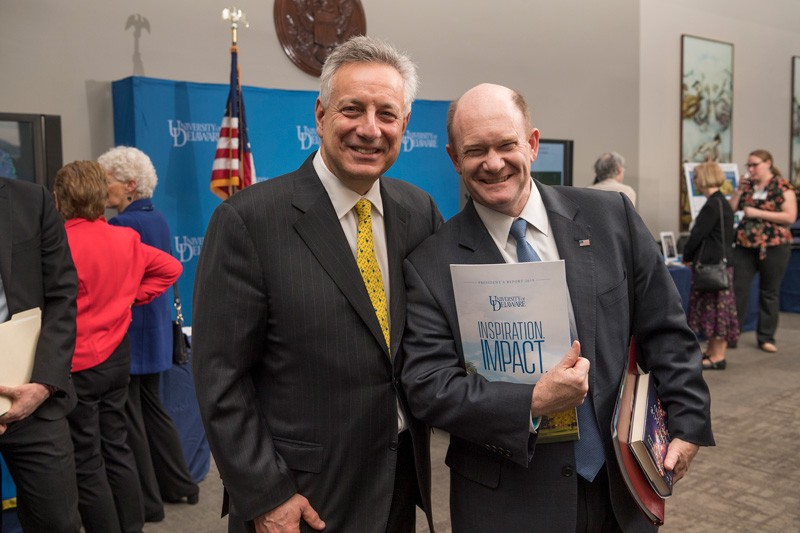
706,107
668,247
794,146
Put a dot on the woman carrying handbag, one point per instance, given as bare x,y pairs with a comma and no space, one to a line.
712,313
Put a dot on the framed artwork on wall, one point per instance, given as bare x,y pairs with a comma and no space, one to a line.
706,107
794,148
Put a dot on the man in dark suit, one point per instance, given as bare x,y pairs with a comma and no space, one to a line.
501,479
36,270
295,361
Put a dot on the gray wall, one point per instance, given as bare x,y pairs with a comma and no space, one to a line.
765,36
605,74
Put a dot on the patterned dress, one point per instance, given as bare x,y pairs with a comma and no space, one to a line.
712,314
757,232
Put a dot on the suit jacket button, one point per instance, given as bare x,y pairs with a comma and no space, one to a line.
567,471
393,446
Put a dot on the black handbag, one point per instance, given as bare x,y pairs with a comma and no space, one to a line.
180,342
712,277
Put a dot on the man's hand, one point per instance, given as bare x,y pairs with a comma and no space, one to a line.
679,456
563,386
286,517
25,399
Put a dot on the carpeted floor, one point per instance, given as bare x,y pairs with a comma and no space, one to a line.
748,482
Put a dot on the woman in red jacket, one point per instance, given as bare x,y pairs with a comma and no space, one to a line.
115,272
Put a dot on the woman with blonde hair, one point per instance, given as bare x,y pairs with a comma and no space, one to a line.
712,314
115,271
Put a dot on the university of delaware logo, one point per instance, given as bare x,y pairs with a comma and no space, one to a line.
186,132
501,302
308,137
419,139
187,247
412,140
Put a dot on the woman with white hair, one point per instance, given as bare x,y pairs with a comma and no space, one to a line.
152,436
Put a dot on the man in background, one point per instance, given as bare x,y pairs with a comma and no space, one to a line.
501,478
609,172
36,270
299,308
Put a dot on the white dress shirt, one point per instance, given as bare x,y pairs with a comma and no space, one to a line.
3,303
344,201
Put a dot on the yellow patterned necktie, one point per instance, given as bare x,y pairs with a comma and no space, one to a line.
368,265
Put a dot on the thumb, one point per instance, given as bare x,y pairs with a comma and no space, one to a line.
572,355
312,518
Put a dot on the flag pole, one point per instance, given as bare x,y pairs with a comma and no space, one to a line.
236,16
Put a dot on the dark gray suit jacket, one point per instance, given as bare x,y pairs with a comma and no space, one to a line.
295,382
37,270
502,481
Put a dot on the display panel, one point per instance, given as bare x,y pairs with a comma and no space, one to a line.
553,165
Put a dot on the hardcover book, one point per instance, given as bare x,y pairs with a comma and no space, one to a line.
514,322
649,436
648,500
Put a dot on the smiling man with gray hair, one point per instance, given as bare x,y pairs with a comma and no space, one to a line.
299,308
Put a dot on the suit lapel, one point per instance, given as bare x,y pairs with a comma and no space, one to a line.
6,232
475,239
573,240
396,220
321,231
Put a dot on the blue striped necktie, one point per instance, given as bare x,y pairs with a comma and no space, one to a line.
589,456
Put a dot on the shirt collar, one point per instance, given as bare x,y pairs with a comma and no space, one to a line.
499,224
342,198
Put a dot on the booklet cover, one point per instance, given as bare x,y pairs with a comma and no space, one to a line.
18,337
514,323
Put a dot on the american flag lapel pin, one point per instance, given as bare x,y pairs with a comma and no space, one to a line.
583,242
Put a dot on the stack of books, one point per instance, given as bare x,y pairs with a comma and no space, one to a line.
641,439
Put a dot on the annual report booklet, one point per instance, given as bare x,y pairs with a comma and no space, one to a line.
18,339
514,322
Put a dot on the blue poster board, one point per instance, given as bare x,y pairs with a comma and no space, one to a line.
177,124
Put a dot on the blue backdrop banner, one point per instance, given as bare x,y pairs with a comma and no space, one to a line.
177,124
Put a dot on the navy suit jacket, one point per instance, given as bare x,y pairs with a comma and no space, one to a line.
297,388
151,324
38,271
500,478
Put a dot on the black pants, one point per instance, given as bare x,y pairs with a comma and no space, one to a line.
110,498
39,456
595,514
155,442
771,270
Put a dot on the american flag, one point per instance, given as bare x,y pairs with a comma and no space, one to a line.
233,162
